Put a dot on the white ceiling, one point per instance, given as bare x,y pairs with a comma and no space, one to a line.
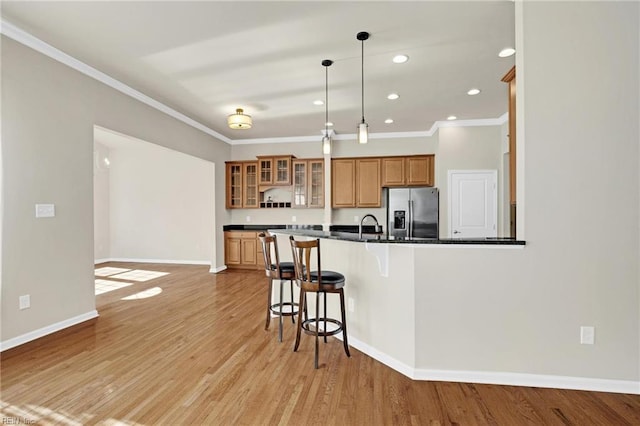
205,59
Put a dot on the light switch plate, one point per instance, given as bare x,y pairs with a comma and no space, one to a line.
24,301
587,335
45,210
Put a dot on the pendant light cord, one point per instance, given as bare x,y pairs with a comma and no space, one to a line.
362,69
326,101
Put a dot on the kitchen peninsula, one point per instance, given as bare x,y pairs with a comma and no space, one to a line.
399,292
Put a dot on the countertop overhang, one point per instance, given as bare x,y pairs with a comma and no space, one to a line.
373,238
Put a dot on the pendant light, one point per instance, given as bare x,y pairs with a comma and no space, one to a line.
326,139
363,127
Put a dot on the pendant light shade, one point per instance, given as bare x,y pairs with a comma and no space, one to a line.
326,139
363,127
239,120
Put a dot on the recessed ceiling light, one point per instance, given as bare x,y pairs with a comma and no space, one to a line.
506,52
329,124
473,92
452,117
318,102
388,121
393,96
400,59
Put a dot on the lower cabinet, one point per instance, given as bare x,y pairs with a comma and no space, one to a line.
243,250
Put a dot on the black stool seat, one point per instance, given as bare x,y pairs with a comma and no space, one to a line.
331,279
285,267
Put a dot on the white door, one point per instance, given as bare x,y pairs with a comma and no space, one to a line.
473,203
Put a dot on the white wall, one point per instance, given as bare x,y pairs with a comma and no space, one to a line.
101,214
152,203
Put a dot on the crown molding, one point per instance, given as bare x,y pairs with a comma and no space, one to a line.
29,40
46,49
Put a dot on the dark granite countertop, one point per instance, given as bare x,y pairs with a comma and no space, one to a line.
372,238
256,227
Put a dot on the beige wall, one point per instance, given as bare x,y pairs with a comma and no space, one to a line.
101,216
48,114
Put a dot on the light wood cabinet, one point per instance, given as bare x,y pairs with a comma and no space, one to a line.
417,170
242,250
308,183
275,170
510,79
343,183
250,185
355,182
233,198
368,190
241,185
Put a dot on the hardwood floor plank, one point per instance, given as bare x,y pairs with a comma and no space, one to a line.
196,353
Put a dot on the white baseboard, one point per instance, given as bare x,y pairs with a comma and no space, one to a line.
41,332
180,262
218,269
499,377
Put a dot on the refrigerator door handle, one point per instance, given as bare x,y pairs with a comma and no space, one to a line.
410,218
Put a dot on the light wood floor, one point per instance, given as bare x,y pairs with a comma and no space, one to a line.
197,354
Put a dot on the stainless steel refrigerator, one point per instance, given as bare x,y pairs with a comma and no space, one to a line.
412,213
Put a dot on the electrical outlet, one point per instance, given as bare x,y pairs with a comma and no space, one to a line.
24,301
587,335
293,218
248,218
356,219
351,304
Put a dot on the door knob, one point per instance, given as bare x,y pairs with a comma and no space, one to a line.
456,232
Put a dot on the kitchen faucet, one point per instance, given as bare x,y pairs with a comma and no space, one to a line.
362,221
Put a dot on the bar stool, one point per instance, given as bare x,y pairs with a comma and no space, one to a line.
276,270
319,282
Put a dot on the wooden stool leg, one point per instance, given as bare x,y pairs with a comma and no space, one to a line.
280,319
291,298
344,324
317,325
266,325
302,304
325,316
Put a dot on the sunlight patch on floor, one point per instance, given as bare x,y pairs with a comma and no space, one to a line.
109,270
139,275
105,286
145,294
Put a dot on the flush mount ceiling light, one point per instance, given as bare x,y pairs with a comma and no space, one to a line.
400,59
318,102
452,117
473,92
388,121
506,52
239,120
363,127
393,96
326,139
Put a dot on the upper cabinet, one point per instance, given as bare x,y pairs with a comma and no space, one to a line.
368,190
308,183
234,185
416,170
241,184
355,182
250,186
343,182
275,170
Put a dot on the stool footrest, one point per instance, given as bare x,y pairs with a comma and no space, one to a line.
276,308
307,324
